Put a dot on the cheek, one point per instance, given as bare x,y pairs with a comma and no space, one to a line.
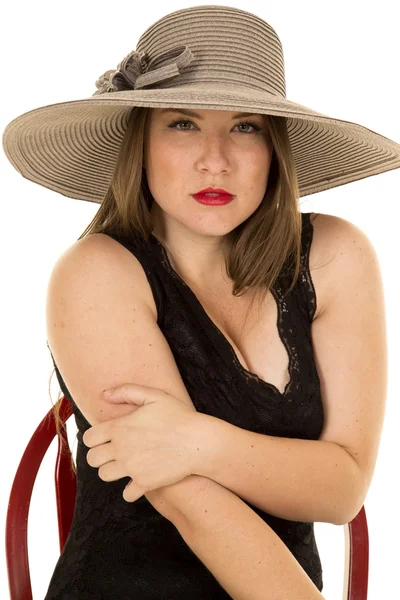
167,175
262,164
170,158
255,167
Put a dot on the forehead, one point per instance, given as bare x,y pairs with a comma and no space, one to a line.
202,114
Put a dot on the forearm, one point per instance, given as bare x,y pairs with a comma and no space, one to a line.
294,479
243,553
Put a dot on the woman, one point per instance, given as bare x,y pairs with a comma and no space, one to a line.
232,429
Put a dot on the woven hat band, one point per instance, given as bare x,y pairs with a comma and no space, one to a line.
215,49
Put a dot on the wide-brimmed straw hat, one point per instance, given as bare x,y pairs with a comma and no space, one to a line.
206,57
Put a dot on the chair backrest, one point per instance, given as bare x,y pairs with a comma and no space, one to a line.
356,561
356,532
20,497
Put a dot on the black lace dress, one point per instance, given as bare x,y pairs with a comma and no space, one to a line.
125,551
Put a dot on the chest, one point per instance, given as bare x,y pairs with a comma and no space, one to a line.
254,332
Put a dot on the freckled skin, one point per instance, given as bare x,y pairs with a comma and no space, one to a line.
190,156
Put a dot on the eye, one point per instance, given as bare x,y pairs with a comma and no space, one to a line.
178,122
242,123
249,124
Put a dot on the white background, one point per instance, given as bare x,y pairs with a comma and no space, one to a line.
342,59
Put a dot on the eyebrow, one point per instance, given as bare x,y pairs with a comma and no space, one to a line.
192,113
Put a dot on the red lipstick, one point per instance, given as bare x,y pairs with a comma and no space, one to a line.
213,196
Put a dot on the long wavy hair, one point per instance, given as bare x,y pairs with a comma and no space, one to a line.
265,245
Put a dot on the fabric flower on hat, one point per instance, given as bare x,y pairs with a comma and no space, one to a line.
125,75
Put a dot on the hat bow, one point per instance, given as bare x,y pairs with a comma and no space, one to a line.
136,71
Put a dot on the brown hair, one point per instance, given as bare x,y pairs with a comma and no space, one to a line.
267,244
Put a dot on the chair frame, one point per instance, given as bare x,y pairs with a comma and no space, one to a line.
356,532
19,581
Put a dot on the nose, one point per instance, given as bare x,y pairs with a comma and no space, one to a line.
214,152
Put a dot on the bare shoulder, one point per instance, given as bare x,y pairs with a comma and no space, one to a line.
104,252
350,347
336,247
100,332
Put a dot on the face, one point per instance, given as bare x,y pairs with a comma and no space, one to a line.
211,148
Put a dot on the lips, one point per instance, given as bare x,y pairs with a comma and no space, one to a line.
213,200
213,196
214,191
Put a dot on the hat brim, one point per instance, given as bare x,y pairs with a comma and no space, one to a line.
72,147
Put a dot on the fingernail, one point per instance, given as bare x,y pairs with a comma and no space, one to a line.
108,392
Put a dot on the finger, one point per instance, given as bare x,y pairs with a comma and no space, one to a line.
112,471
129,393
133,392
100,455
133,492
98,434
119,400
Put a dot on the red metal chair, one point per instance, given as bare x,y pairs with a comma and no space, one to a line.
356,532
356,561
19,581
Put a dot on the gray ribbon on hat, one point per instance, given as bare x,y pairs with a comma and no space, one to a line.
136,71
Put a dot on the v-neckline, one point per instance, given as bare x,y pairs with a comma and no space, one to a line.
226,345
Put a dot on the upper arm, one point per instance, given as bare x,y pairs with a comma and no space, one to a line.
101,331
350,347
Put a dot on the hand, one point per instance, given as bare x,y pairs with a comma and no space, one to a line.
153,445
